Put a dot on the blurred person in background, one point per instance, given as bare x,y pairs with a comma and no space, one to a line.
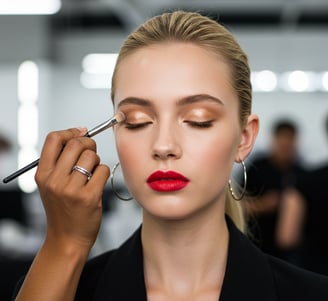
304,217
269,175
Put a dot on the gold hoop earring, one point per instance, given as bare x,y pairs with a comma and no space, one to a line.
113,187
234,196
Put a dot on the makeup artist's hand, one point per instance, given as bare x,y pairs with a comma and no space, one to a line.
72,202
73,209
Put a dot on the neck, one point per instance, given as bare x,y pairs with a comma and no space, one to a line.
185,257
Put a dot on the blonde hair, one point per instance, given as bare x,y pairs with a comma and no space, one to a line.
195,28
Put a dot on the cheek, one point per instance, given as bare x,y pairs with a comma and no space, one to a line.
219,145
131,154
216,155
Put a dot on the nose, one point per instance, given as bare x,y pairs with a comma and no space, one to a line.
167,144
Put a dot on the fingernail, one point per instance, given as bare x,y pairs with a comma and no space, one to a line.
82,129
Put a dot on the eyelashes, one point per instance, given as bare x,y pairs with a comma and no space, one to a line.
136,126
200,124
194,124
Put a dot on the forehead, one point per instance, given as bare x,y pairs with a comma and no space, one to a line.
172,69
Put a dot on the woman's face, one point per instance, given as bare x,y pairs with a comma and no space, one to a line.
182,131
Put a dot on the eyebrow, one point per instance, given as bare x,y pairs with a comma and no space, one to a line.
135,101
198,98
190,99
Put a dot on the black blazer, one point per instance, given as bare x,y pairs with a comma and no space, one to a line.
250,275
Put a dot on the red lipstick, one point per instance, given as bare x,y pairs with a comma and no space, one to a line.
166,181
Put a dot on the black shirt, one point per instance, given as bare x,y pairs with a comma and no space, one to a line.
264,176
313,187
250,275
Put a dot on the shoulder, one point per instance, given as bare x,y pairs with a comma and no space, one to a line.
321,170
294,283
316,171
311,180
259,160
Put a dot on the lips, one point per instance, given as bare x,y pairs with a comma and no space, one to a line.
166,181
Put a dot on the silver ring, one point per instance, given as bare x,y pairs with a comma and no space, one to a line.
82,171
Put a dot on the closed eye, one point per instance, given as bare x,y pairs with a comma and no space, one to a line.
136,126
200,124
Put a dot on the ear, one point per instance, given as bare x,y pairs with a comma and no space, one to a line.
248,137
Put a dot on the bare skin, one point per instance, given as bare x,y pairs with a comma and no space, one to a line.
175,273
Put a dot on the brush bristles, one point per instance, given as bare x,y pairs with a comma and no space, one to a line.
119,116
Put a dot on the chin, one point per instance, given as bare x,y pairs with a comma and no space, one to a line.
171,210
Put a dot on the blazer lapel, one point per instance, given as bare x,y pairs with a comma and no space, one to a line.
124,276
248,274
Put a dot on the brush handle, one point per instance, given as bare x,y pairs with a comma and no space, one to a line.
27,168
21,171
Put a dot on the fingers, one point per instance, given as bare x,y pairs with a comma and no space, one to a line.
87,161
63,150
54,144
78,151
100,175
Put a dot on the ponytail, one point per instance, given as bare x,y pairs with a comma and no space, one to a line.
234,210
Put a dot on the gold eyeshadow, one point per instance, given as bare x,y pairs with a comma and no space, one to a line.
198,114
195,111
134,116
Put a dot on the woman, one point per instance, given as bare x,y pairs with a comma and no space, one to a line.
183,83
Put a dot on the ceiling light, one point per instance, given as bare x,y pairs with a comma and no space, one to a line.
28,82
29,7
98,70
99,63
300,81
325,81
265,81
95,81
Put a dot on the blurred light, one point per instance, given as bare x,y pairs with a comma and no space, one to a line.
298,81
28,82
26,181
265,81
95,81
99,63
98,70
29,7
27,125
325,81
27,120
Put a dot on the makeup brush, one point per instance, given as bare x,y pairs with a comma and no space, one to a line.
117,118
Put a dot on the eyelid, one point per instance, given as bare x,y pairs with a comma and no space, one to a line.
136,125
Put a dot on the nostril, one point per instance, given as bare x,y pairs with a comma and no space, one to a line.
164,155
